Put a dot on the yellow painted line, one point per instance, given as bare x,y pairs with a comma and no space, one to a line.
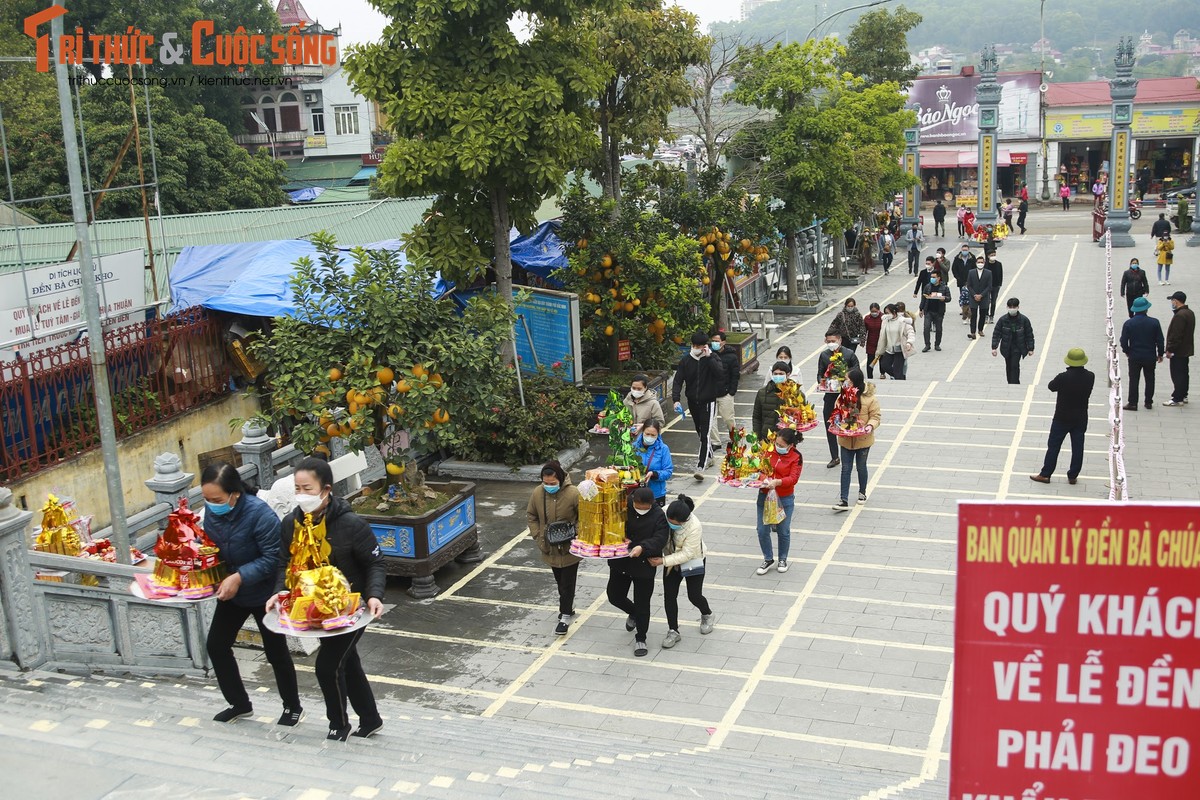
365,792
314,794
1000,430
832,637
441,782
508,772
44,725
96,724
608,658
623,713
481,566
1007,286
831,740
429,687
405,787
849,687
1011,459
144,723
790,619
189,722
478,777
878,601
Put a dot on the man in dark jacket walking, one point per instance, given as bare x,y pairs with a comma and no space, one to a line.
1142,342
939,219
959,268
997,269
833,344
1181,345
732,365
933,307
979,293
1160,228
1012,337
1074,388
1134,284
702,378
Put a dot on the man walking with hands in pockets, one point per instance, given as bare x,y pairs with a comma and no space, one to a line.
704,378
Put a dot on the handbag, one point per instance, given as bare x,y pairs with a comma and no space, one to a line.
557,532
693,567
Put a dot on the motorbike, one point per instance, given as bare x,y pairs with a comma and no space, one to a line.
1135,208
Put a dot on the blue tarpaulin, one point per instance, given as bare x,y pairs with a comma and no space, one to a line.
306,195
252,278
540,252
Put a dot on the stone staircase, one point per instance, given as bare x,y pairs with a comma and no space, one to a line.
110,737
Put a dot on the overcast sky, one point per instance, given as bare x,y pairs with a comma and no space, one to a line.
362,23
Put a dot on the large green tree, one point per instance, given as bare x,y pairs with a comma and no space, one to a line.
832,148
877,47
486,121
645,50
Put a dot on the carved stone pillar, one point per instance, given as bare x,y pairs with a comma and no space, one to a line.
256,448
22,615
987,95
1122,89
170,482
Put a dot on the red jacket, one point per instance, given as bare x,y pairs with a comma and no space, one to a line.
786,469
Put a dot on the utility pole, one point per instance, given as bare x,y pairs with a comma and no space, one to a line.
1042,107
91,306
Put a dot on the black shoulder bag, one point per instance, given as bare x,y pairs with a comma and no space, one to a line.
556,532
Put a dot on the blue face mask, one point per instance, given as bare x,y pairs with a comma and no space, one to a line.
714,345
551,489
777,379
673,526
218,509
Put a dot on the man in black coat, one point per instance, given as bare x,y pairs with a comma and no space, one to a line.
1181,344
1142,341
732,364
1160,228
933,307
959,268
1074,388
833,344
1134,284
939,219
997,269
647,531
979,294
1012,337
701,378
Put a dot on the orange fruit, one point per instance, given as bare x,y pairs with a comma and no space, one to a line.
419,370
745,244
353,423
437,380
351,395
608,330
441,416
706,280
710,249
385,376
333,429
335,374
606,261
731,272
353,407
582,243
394,411
322,449
636,302
629,308
402,386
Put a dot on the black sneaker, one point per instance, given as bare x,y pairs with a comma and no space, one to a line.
291,717
639,648
232,713
841,505
630,624
366,729
938,348
564,620
338,734
926,350
833,462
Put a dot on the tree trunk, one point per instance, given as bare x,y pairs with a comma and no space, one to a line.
793,265
501,225
610,148
839,249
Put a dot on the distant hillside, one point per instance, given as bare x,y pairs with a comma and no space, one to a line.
966,26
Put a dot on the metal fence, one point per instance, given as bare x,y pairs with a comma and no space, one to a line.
157,369
1118,483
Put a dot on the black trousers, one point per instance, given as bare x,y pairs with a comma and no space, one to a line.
870,366
695,592
892,365
914,255
702,414
222,633
939,227
1136,370
992,302
1058,433
341,677
619,582
1012,366
1021,221
978,315
566,578
886,258
1180,378
826,413
933,321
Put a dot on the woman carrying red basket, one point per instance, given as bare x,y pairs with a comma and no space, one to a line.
855,418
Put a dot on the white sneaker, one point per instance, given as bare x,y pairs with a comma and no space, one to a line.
765,567
783,565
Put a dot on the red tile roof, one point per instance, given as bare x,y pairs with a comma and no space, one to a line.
1149,90
291,12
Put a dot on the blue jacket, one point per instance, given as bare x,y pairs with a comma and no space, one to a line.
1142,338
248,537
657,459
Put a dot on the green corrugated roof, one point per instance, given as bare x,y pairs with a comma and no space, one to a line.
351,222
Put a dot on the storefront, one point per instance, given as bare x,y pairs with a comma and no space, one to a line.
1166,119
947,115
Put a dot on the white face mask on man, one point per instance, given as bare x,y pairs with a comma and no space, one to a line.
831,346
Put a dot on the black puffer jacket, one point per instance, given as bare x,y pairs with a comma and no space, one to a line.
352,548
650,530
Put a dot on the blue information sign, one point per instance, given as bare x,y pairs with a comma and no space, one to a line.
547,330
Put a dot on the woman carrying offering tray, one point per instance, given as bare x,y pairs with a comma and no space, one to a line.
856,415
247,532
647,531
346,543
785,464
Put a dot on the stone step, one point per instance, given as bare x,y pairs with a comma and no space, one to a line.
162,730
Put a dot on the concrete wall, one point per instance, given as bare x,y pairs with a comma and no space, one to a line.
82,479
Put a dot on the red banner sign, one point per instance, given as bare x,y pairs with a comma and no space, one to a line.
1077,653
624,350
1019,158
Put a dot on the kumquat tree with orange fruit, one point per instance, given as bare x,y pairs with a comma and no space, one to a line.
373,357
638,278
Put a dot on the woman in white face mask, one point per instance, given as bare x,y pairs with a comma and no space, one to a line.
643,404
353,550
647,532
656,458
